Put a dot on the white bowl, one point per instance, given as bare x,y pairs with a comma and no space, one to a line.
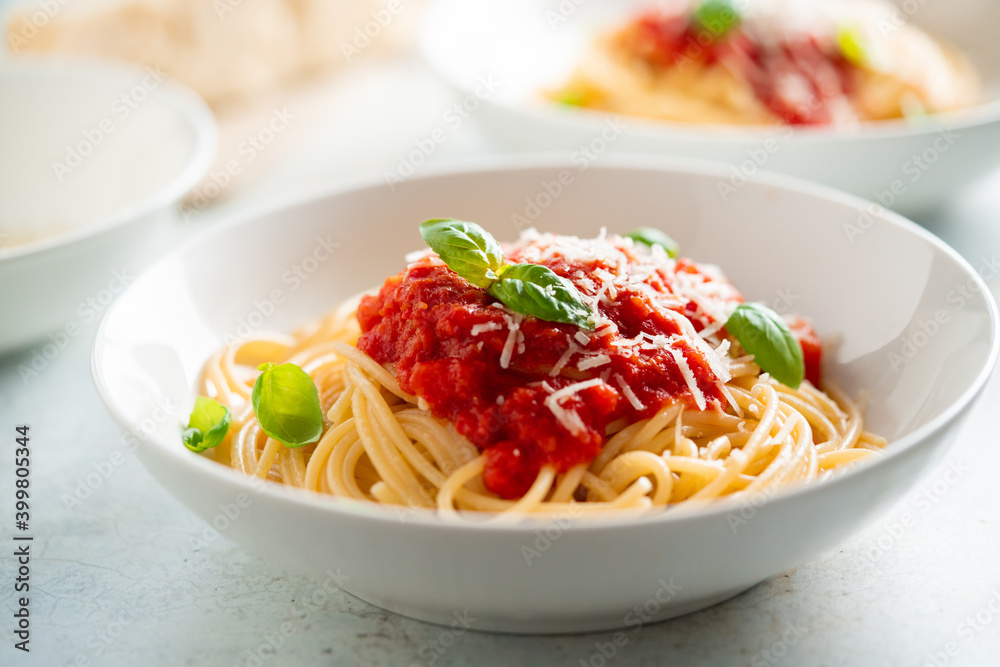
95,158
785,239
502,53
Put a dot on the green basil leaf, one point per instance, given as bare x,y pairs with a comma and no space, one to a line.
286,403
764,334
532,289
208,424
572,98
851,44
467,249
718,17
649,236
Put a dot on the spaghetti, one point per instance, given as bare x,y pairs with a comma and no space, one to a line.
728,430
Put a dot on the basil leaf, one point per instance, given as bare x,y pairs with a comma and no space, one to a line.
286,403
529,289
717,17
572,98
650,237
851,44
764,334
467,249
532,289
208,424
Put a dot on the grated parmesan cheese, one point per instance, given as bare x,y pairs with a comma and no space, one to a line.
593,361
485,326
514,325
569,419
629,394
564,359
692,383
417,255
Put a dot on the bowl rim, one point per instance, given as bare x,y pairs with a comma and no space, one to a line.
540,110
180,99
482,167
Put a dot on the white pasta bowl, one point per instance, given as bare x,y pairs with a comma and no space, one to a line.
96,158
915,328
502,54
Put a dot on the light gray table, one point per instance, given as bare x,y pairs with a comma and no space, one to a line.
117,580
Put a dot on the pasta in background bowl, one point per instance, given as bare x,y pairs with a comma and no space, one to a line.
771,61
836,119
873,294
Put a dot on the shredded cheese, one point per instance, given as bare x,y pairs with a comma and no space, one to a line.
485,326
593,361
569,419
629,394
513,325
564,359
689,379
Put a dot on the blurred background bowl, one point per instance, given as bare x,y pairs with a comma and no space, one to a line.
524,47
96,158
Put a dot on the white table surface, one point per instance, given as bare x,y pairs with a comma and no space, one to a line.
116,579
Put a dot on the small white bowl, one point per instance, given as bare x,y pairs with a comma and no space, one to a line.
501,54
96,156
869,279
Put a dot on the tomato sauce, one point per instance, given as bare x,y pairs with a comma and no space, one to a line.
450,343
812,347
797,78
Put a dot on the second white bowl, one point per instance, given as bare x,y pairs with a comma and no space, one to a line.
96,157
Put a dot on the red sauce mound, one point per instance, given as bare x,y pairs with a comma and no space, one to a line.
797,77
812,347
451,344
